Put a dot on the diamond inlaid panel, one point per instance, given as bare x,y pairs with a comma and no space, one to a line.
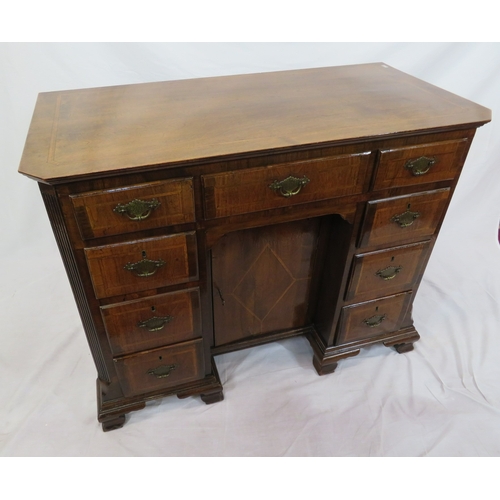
261,280
266,273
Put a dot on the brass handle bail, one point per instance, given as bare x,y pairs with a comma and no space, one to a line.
155,323
420,166
406,218
161,371
145,267
137,209
289,186
389,272
374,321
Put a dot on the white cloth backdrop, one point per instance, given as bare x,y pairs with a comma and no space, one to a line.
442,399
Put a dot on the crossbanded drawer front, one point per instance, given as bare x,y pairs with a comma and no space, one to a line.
161,368
403,219
386,272
152,322
142,264
134,208
252,190
419,164
373,318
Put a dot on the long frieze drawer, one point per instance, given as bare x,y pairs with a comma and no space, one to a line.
403,219
152,322
134,208
376,317
419,164
142,264
263,188
161,368
385,272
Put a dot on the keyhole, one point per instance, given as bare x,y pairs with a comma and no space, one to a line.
376,309
153,308
408,207
160,357
392,259
143,254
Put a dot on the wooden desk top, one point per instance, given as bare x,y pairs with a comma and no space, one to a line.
82,133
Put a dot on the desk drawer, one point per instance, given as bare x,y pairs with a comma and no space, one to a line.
419,164
256,189
134,208
385,272
403,219
376,317
152,322
161,368
142,264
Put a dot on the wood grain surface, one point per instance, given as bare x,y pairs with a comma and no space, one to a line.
79,133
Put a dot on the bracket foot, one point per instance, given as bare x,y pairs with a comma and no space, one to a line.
212,397
113,423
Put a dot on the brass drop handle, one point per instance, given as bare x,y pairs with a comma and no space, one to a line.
406,218
137,209
155,323
389,272
289,186
420,166
374,321
162,371
145,267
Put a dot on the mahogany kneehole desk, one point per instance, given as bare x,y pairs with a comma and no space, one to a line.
203,216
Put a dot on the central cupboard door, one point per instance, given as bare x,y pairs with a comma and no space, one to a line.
262,280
